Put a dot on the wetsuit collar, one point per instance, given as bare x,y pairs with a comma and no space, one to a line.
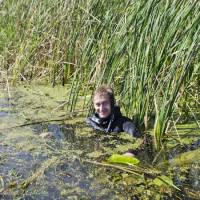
106,122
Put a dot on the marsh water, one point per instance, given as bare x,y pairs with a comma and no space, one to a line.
47,153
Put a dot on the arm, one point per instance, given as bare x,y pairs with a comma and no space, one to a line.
130,128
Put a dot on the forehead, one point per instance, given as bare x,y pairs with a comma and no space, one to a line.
101,97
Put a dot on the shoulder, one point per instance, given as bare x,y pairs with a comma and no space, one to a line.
130,127
93,122
127,123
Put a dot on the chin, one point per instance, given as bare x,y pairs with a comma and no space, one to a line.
103,116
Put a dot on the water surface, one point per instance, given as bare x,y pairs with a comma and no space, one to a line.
63,164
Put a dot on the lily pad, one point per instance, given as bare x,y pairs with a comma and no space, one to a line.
122,159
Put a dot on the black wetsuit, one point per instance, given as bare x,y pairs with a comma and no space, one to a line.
114,123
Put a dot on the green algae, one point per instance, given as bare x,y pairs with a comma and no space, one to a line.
21,140
95,154
125,147
183,159
40,102
62,158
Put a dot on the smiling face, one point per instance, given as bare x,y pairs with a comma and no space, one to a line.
102,105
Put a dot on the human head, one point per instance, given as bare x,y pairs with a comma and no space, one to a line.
103,100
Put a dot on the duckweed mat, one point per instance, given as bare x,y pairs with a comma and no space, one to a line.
46,153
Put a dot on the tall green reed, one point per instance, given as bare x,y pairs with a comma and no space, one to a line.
149,52
146,49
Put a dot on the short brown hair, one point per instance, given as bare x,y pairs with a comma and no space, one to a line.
105,90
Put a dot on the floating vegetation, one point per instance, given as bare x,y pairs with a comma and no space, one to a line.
164,181
147,50
45,158
122,159
186,158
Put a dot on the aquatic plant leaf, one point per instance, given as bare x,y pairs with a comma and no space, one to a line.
2,182
116,158
183,159
164,181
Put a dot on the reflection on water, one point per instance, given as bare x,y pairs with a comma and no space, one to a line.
35,167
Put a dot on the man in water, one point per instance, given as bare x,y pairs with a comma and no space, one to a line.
107,116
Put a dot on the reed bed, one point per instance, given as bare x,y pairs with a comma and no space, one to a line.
148,50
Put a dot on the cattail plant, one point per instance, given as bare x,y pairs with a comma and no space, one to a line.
148,50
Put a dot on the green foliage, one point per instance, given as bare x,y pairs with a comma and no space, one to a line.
2,183
148,50
183,159
32,164
164,181
122,159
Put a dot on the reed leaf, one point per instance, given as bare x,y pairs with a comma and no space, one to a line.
148,50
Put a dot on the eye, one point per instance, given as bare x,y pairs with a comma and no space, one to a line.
106,103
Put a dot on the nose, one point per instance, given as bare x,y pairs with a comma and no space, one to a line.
101,107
